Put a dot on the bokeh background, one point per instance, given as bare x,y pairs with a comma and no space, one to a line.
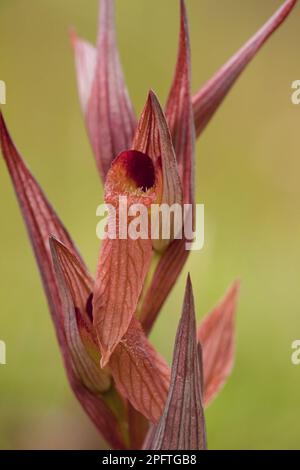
248,170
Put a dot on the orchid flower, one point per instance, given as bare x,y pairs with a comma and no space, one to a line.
102,324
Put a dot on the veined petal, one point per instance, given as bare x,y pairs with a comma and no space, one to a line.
210,96
123,265
179,112
75,287
154,139
94,384
85,61
110,118
164,278
216,334
123,261
41,221
182,425
141,375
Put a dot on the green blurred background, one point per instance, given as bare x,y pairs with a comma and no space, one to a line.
247,176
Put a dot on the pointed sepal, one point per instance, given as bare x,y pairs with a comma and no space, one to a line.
208,99
182,425
179,112
216,334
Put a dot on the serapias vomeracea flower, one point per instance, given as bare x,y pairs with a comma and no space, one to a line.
102,324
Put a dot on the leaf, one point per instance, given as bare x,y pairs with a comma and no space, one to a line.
41,221
182,425
179,112
140,373
207,100
110,118
216,334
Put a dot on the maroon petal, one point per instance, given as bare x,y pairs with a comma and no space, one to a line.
216,334
182,425
179,112
211,95
110,118
41,221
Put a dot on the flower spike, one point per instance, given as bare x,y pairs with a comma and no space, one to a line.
182,425
145,175
121,381
208,99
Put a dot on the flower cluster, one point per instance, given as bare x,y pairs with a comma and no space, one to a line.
102,324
